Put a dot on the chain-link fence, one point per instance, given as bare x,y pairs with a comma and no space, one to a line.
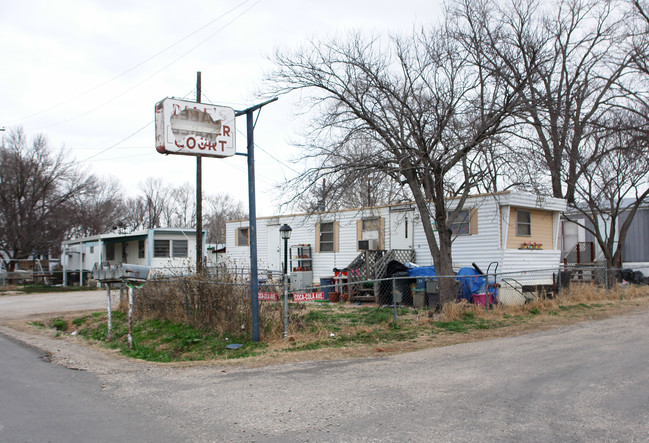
509,288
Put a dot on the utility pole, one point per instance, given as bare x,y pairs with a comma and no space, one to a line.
199,194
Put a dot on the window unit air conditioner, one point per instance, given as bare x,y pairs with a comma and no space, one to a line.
371,244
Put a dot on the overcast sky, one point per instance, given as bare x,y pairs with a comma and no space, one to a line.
87,74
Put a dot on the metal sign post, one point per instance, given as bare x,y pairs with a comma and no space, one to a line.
254,278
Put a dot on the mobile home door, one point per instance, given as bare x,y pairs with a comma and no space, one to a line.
401,229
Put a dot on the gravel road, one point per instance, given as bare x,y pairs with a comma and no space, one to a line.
584,382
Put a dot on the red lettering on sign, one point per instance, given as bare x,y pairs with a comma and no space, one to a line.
269,296
226,131
308,296
191,142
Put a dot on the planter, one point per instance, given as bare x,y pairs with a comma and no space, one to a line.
334,296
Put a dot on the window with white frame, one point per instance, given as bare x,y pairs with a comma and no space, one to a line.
161,248
462,223
370,228
523,223
326,239
179,248
242,237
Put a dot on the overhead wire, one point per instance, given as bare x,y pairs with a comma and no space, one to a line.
132,68
155,73
262,149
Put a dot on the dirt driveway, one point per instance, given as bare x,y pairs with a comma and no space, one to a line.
22,306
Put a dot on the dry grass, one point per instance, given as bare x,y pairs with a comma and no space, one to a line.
335,330
199,302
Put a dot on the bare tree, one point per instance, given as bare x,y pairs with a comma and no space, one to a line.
569,58
611,189
98,210
221,208
38,189
416,106
182,206
156,201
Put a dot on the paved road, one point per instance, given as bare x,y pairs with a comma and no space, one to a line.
586,382
43,402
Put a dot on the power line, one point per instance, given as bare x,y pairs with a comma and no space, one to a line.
154,74
262,149
132,68
121,141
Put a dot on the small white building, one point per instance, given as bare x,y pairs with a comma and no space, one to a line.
167,251
519,231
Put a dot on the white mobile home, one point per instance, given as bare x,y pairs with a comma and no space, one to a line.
580,245
519,231
167,251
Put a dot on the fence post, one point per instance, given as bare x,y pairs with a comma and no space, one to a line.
130,317
110,314
394,296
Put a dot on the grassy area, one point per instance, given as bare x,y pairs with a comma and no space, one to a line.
326,327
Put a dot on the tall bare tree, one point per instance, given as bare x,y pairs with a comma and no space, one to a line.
98,210
568,56
157,195
611,189
221,208
417,106
38,188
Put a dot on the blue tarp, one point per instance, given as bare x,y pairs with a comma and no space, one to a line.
470,282
420,273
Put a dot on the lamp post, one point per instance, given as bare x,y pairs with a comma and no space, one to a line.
285,232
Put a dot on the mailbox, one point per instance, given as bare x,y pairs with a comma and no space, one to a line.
134,272
107,273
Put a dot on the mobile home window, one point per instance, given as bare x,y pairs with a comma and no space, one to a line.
523,223
140,249
370,228
326,236
179,248
462,223
161,248
110,251
243,237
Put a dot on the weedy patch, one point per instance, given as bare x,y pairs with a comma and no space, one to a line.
181,329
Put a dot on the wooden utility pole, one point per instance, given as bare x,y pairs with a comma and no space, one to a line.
199,194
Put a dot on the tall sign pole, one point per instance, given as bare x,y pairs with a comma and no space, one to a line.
252,208
199,194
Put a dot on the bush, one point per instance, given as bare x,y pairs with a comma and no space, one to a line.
220,307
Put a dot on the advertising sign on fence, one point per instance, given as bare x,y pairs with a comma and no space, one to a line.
308,296
268,296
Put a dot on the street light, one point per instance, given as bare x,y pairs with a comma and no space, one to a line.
285,232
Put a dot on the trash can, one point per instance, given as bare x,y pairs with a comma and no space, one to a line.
419,298
402,288
326,286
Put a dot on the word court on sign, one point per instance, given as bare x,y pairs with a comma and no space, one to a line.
190,128
308,296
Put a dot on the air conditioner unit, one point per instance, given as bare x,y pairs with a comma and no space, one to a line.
371,244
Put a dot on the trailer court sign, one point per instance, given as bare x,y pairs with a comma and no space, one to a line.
190,128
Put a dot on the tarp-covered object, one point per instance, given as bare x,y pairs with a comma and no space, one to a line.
420,273
470,282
